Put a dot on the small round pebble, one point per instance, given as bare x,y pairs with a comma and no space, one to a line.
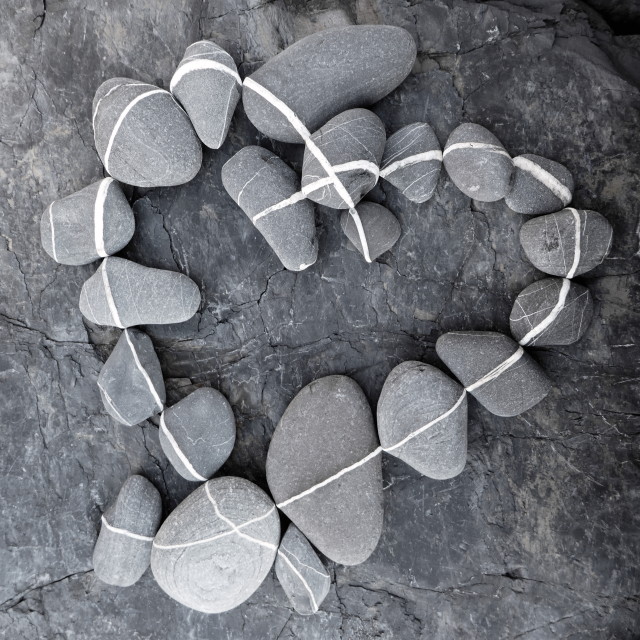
372,230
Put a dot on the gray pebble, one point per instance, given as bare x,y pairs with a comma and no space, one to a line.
217,546
142,135
415,395
379,227
495,370
123,549
268,191
198,433
123,294
94,222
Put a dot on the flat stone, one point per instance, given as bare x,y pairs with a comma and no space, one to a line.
123,294
206,83
412,160
425,412
301,573
218,545
568,243
123,548
495,370
198,433
92,223
268,191
378,225
142,135
325,429
552,311
353,143
326,73
477,163
539,185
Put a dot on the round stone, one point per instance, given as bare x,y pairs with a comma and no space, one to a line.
372,230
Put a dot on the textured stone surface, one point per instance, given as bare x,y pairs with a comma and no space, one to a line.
380,228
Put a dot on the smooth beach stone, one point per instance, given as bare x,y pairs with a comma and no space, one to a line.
327,428
130,381
301,573
422,419
503,377
123,549
92,223
539,185
268,191
198,433
552,311
326,73
477,163
206,83
568,243
142,135
353,143
123,294
412,160
379,227
218,545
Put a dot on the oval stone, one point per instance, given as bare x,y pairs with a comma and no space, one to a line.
377,232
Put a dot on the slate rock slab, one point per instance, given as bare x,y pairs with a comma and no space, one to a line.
142,135
326,428
326,73
122,294
197,434
218,545
123,549
372,231
422,419
92,223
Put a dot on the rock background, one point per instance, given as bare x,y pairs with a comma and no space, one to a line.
538,537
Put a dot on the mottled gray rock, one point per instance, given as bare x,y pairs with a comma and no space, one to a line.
268,191
325,429
412,160
217,546
123,550
123,294
422,419
378,225
478,163
142,135
568,243
552,311
206,83
539,185
326,73
94,222
198,433
353,143
495,370
301,573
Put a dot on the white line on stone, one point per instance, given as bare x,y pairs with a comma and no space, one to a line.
577,249
552,183
201,65
125,84
425,156
178,450
124,532
314,604
363,239
492,148
555,312
109,295
354,165
143,371
53,232
497,371
112,404
296,197
98,216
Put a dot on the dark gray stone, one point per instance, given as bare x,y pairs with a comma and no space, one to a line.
206,83
326,428
380,227
94,222
123,550
217,546
142,135
198,433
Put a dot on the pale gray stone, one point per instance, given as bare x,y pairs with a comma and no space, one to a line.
381,228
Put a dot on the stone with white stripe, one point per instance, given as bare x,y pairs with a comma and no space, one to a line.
206,83
477,163
215,549
380,228
130,381
416,394
143,136
197,434
123,549
92,223
412,160
268,191
301,573
495,370
123,294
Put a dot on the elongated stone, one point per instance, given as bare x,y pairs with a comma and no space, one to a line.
372,230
